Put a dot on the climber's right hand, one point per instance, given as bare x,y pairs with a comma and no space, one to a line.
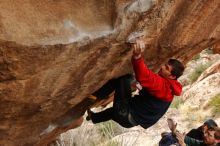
138,48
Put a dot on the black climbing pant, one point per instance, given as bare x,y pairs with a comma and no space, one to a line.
120,110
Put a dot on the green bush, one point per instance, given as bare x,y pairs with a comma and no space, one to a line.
198,71
177,101
215,103
196,57
209,51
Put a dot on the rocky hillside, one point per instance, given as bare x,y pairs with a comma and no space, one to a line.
199,101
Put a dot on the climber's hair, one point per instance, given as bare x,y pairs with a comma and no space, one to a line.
178,67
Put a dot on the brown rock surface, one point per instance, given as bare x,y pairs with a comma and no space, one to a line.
53,54
216,48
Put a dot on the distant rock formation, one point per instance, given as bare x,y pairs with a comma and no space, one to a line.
206,87
53,54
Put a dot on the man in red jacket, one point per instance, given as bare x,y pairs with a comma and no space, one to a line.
153,100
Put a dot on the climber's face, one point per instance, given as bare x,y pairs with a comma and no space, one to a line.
165,71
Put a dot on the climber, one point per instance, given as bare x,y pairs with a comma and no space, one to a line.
153,100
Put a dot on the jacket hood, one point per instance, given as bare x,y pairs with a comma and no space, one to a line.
176,87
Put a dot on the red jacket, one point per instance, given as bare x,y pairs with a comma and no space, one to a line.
159,87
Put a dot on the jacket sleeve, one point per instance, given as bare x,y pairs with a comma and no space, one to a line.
192,142
148,79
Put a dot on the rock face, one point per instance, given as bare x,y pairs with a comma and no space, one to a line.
216,48
53,54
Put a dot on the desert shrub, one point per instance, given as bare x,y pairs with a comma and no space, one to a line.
214,103
196,57
109,129
177,101
209,51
